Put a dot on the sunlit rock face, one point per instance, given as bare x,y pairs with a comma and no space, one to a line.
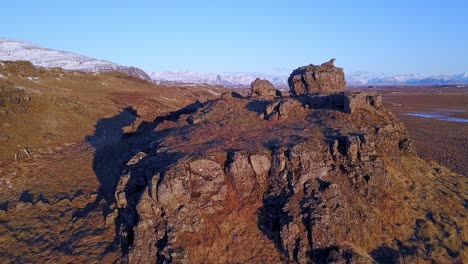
311,79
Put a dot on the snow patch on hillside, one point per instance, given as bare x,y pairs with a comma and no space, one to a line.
15,50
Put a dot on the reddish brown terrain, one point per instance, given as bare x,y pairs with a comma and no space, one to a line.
446,140
110,168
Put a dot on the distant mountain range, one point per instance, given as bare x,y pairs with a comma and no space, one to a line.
14,50
281,80
19,50
380,79
228,79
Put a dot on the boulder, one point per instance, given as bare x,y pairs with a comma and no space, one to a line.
263,88
316,79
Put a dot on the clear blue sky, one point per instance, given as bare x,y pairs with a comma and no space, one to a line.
251,36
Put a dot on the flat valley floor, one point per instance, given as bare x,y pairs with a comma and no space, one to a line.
437,120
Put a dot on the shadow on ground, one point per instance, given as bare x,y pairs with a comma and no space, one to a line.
113,149
109,156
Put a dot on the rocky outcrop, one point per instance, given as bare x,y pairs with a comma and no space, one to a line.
317,79
263,89
313,178
301,193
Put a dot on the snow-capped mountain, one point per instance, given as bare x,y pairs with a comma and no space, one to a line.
281,80
227,79
14,50
381,79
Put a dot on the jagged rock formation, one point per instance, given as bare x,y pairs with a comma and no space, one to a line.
314,79
263,89
314,178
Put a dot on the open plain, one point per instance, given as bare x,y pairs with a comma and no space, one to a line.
437,120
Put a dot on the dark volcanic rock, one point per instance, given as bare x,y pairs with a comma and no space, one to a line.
263,88
315,79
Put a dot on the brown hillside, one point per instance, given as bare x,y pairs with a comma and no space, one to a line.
52,203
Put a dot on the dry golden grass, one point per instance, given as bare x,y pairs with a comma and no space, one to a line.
65,219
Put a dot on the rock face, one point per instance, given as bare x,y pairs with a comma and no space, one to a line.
317,79
263,88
